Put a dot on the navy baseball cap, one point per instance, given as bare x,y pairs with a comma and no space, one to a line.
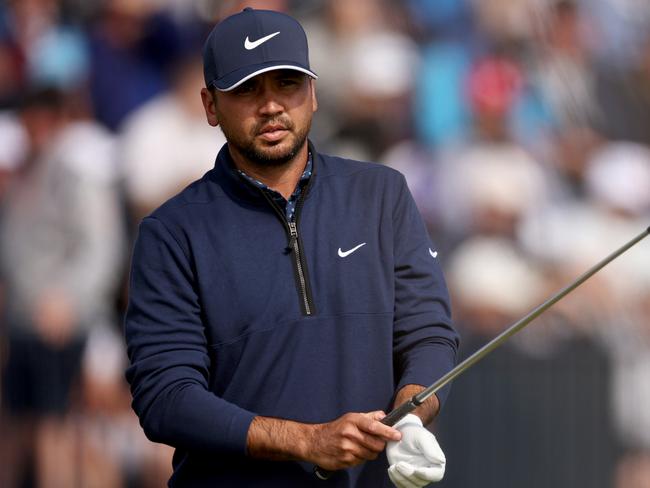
253,42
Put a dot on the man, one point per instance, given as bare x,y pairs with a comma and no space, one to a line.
61,238
284,292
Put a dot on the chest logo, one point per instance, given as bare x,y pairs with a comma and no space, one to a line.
344,254
434,254
253,44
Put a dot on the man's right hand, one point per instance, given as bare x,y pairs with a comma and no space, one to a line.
350,440
342,443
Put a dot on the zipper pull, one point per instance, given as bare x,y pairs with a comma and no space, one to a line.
293,233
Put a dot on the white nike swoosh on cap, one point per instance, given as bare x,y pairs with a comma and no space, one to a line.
253,44
347,253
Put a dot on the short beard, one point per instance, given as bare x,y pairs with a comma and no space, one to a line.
260,158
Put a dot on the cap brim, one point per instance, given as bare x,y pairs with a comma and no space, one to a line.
236,78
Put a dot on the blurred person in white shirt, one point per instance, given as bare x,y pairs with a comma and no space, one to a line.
165,144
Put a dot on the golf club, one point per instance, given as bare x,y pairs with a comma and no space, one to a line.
401,411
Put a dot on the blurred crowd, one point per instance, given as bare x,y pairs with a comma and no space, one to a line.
522,127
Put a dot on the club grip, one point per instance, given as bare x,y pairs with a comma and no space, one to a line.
399,413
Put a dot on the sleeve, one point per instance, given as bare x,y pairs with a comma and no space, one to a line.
167,348
425,342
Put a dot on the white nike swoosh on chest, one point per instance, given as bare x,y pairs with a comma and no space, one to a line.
347,253
253,44
434,254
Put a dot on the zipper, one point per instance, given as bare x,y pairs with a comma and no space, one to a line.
300,266
293,230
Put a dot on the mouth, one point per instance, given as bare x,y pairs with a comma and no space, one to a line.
273,132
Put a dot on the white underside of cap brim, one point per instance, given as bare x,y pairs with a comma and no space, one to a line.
264,70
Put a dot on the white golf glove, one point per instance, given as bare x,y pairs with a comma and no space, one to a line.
417,459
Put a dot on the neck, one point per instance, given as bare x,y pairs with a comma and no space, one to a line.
282,178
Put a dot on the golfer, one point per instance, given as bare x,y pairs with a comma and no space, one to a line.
283,302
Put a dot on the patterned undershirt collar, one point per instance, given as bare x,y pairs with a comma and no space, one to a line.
289,206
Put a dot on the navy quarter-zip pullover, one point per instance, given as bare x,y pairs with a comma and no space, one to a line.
233,313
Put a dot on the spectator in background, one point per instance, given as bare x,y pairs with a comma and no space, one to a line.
113,451
13,149
490,182
622,27
43,48
442,20
439,109
561,68
436,97
166,144
60,249
130,45
504,22
367,52
416,162
380,78
11,74
624,98
443,111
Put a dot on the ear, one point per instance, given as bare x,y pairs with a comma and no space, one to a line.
314,100
209,105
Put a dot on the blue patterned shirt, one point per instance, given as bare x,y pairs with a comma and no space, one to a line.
289,206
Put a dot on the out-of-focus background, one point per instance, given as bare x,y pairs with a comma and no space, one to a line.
522,126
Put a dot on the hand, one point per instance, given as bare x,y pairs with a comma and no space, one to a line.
54,317
417,459
350,440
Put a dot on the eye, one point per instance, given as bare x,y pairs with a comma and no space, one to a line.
290,81
245,88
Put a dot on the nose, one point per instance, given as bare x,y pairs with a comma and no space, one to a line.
271,103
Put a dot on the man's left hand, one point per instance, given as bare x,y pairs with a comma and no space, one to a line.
417,459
